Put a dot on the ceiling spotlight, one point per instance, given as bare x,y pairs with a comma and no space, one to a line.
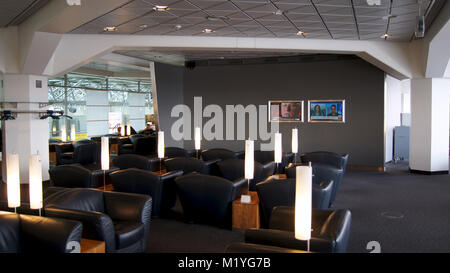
389,16
143,26
385,36
110,29
54,115
279,12
207,30
161,8
177,27
7,115
373,2
299,33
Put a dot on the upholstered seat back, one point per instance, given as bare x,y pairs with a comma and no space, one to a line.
70,176
274,192
320,172
127,161
233,169
9,233
327,158
206,198
187,165
172,152
75,199
85,153
143,145
218,153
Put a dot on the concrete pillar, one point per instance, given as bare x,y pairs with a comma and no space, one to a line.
27,134
429,146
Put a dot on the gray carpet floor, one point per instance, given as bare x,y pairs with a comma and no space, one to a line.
404,212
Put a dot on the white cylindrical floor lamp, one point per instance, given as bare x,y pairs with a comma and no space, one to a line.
198,139
35,167
303,203
105,159
295,143
278,150
13,181
249,167
160,149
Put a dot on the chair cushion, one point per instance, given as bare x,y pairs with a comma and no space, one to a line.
128,233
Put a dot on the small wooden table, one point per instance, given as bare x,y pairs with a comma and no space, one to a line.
92,246
246,215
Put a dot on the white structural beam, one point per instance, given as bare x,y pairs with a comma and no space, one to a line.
76,50
437,45
40,34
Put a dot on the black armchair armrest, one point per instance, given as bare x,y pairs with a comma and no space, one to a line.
49,234
321,194
212,166
240,154
269,169
96,225
286,239
128,206
240,187
171,175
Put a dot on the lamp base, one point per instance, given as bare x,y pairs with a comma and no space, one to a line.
246,199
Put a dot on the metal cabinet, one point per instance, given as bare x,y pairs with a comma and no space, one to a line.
401,143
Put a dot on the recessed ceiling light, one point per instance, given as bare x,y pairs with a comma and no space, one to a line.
299,33
143,26
177,27
279,12
385,36
389,16
207,30
161,8
110,29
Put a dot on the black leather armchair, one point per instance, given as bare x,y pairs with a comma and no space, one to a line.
72,176
122,220
138,144
172,152
321,173
234,169
35,234
322,158
189,165
330,231
281,192
207,198
127,161
83,152
160,187
219,153
257,248
265,157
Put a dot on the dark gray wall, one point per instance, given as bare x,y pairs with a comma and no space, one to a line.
356,81
169,88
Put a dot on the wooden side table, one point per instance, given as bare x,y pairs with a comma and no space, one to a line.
92,246
245,215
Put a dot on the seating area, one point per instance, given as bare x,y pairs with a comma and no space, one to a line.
223,133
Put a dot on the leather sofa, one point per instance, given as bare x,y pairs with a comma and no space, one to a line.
321,173
257,248
220,153
172,152
127,161
328,159
265,157
233,169
208,199
160,187
189,165
281,192
37,235
121,220
83,152
330,231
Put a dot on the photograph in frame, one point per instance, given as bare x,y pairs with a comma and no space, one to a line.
286,111
326,111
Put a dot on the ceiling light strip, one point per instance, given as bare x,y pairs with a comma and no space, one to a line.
354,17
321,18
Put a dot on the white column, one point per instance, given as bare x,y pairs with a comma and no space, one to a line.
429,146
27,134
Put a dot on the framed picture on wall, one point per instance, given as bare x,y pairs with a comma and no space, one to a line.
286,111
326,111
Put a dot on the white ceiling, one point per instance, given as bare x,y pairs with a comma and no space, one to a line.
322,19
